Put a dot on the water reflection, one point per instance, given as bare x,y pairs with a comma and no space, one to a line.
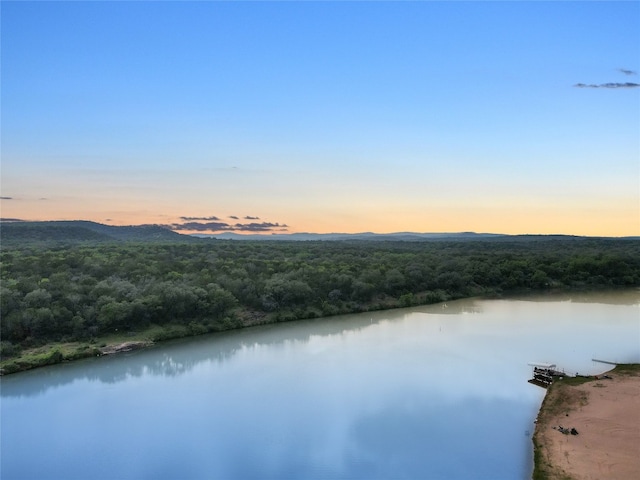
432,447
400,394
622,296
179,357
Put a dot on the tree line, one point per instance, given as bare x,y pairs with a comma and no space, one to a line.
82,292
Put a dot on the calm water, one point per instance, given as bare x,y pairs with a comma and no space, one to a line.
421,393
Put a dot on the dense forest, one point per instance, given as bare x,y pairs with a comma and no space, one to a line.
82,291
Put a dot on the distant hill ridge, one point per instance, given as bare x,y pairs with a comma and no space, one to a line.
391,237
397,236
83,231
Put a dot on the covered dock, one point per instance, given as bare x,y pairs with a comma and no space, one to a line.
544,373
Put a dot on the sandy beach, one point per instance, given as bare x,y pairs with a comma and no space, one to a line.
605,413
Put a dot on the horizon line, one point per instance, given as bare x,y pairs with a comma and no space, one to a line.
194,233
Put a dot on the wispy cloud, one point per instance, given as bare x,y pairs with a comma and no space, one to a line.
206,219
612,85
219,226
201,226
608,85
261,227
234,217
6,198
249,217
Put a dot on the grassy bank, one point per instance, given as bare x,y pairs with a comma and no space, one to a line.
58,352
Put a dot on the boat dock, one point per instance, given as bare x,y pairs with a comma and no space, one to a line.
544,374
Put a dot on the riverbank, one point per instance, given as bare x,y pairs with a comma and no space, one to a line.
604,412
52,354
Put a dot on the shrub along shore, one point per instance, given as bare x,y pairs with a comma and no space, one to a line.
63,302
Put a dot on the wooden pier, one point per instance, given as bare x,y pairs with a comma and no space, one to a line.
603,361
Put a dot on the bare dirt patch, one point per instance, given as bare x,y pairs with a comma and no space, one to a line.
124,347
605,413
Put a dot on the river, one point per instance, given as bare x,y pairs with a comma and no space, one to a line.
420,393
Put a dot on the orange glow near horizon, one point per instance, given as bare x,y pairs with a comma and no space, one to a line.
608,222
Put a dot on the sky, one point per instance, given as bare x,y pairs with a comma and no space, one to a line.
275,117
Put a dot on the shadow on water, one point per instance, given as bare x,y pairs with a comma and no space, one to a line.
176,357
623,296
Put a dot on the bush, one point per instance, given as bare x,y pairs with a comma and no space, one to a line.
171,332
55,356
197,329
8,349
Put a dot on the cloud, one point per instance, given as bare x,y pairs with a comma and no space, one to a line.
206,219
6,198
201,226
610,85
11,220
262,227
234,217
249,217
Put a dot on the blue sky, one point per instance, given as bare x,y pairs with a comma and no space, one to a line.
324,116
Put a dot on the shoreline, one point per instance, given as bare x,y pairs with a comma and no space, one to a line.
604,412
70,352
52,353
62,352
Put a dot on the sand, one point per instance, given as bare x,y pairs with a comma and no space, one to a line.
606,414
